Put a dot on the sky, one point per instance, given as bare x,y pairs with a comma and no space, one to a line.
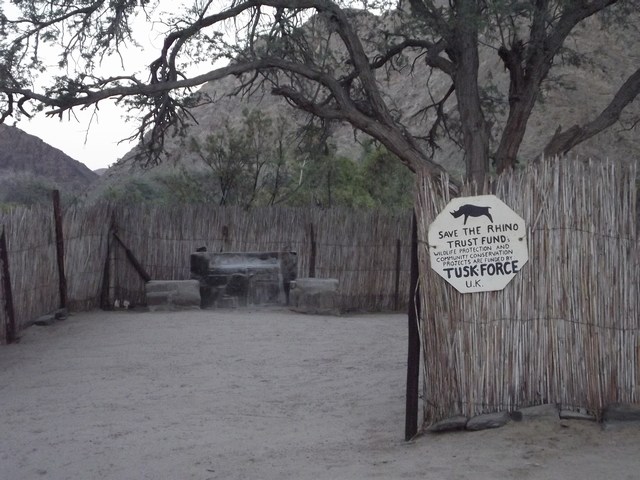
97,140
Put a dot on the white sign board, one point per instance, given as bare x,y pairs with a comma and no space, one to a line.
478,244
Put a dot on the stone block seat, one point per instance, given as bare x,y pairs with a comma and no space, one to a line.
320,296
173,295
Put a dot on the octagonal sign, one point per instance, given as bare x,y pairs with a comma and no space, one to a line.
478,244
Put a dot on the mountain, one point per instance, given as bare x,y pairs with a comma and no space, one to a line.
578,88
30,169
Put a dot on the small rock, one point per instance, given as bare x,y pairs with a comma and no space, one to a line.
45,320
571,415
458,422
61,314
488,420
516,416
537,412
621,412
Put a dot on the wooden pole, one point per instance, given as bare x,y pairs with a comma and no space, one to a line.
312,259
10,331
413,351
396,295
62,280
105,301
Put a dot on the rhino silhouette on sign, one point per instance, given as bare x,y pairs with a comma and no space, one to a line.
472,211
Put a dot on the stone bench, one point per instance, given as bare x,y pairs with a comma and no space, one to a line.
173,295
318,296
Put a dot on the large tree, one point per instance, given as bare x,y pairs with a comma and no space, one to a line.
321,56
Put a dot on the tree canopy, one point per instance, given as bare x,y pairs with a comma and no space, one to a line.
327,58
265,161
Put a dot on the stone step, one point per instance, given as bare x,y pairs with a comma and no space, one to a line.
173,295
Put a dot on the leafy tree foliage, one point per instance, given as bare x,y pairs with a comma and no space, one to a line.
134,191
26,190
388,184
253,163
262,162
321,56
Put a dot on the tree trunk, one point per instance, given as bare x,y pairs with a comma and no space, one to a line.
475,131
514,130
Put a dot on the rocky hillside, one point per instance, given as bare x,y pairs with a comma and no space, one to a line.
30,169
575,92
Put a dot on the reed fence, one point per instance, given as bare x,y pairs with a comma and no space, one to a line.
31,250
86,236
566,329
360,248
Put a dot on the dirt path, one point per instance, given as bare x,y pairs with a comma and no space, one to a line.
254,395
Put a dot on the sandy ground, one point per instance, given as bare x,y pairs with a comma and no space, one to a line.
255,395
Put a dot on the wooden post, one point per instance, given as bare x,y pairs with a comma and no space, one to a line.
62,280
396,295
413,351
105,299
10,331
312,257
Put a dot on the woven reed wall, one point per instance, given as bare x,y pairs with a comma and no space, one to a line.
357,247
566,329
31,249
31,245
86,234
3,313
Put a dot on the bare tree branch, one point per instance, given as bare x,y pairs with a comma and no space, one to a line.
565,140
529,64
316,55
